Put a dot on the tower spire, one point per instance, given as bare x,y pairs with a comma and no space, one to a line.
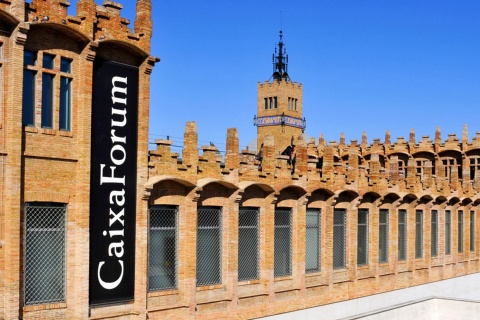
280,61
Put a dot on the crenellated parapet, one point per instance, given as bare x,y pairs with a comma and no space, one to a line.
95,22
439,168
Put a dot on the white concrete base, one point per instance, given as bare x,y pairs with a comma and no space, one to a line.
457,298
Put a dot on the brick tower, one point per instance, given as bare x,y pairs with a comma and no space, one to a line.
279,104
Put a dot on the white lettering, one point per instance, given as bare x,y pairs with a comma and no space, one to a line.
112,178
109,285
120,149
115,90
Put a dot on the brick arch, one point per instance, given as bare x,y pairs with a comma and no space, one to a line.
215,194
8,22
255,195
72,40
169,191
288,196
121,51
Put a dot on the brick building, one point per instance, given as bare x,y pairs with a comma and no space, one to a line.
49,61
92,228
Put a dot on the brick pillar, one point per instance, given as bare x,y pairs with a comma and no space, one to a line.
352,173
327,170
411,173
143,23
232,157
269,157
301,164
86,11
190,143
374,169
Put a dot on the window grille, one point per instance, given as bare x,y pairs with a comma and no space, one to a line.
448,232
45,242
460,231
209,246
383,236
248,244
312,237
434,231
402,234
339,238
472,230
283,242
419,234
362,237
162,248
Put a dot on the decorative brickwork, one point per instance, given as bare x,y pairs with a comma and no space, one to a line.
51,164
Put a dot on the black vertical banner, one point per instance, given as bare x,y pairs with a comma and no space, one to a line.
113,182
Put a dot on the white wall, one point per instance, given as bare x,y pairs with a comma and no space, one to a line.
457,298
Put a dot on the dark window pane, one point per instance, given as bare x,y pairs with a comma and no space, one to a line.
29,58
248,241
362,237
47,100
282,242
65,103
65,65
48,61
28,103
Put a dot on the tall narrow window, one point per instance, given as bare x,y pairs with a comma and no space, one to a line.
472,231
45,238
460,231
312,237
434,236
383,236
47,91
283,242
275,102
418,234
474,166
65,94
209,246
28,97
362,237
266,103
248,244
402,234
339,238
162,248
448,232
289,99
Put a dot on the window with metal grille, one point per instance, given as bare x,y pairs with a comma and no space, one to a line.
45,242
162,248
448,232
402,234
472,230
209,246
312,237
460,231
339,238
283,242
434,236
362,237
248,244
418,234
383,236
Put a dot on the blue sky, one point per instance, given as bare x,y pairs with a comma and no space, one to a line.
365,65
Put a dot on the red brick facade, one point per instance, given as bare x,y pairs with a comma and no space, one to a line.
53,166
